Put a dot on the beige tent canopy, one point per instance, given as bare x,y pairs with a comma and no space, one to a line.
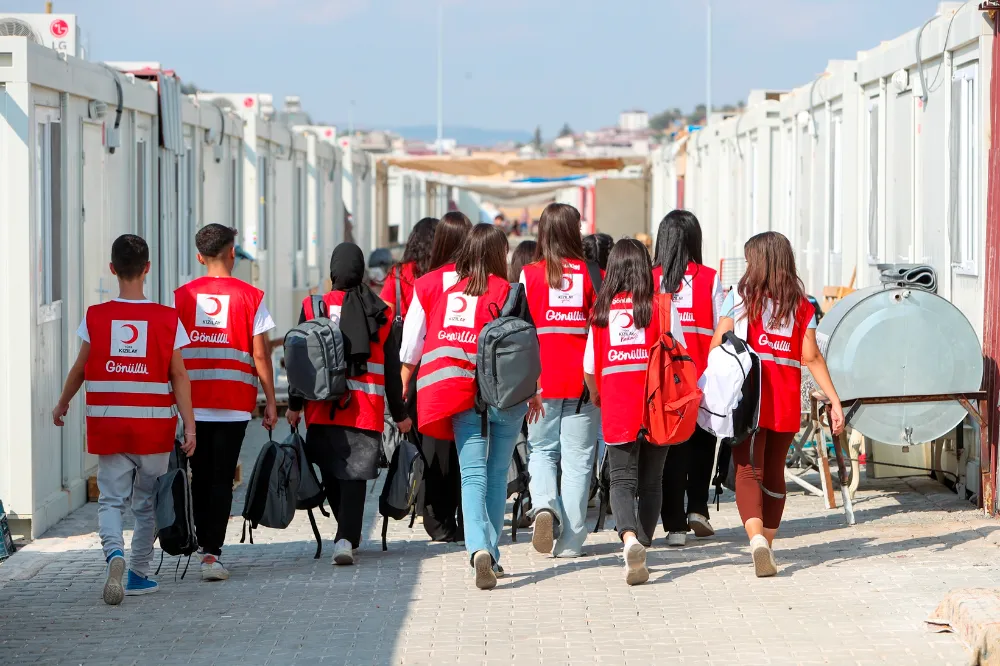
534,168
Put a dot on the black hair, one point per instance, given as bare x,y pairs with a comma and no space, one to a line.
418,247
678,242
129,256
596,248
629,271
213,239
523,254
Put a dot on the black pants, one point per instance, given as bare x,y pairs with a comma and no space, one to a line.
442,496
636,471
346,498
687,471
213,467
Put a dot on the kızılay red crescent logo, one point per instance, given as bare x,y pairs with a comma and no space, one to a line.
565,283
463,305
135,334
628,316
59,28
218,306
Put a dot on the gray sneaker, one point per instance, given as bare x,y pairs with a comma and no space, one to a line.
114,591
486,578
543,535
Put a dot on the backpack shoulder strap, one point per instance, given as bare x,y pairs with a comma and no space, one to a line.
664,303
318,306
595,275
398,277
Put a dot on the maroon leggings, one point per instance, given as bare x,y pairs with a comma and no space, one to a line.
769,451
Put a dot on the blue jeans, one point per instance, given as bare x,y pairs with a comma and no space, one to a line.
484,467
565,440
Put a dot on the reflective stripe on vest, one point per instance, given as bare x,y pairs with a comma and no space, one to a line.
564,330
443,374
631,367
125,412
792,363
216,353
149,388
697,330
448,352
365,387
228,375
376,369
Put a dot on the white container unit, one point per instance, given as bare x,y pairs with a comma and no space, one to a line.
815,201
64,196
922,173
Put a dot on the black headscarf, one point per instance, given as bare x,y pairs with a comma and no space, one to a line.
362,313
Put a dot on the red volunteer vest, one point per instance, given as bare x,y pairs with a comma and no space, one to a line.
780,351
130,405
621,354
218,314
405,287
696,310
365,408
428,288
446,383
560,316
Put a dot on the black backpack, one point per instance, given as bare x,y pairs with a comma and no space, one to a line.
517,481
403,480
173,509
272,492
311,493
603,491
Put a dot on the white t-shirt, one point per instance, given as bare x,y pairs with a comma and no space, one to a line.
180,340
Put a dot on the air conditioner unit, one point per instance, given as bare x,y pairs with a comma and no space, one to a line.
261,104
326,133
56,31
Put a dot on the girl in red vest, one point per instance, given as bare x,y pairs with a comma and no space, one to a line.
625,322
416,262
442,496
697,297
446,387
560,297
770,310
344,441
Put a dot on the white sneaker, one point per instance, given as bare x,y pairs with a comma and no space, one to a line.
676,539
486,577
636,572
700,526
763,557
343,553
212,569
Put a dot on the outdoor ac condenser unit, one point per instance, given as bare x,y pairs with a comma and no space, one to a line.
56,31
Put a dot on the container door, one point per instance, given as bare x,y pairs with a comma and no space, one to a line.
142,197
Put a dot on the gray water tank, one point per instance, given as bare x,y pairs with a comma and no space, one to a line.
897,341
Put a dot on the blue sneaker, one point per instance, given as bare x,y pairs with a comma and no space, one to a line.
139,585
113,590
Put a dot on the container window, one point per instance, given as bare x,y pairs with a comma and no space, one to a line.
871,168
964,213
48,172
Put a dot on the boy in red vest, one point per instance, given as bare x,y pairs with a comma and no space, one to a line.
228,355
136,384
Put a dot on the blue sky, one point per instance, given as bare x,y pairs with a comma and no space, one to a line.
510,64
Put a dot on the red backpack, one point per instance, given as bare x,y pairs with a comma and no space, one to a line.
672,394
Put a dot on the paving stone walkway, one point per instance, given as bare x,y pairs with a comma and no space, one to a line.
844,595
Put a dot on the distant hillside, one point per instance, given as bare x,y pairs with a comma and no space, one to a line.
467,136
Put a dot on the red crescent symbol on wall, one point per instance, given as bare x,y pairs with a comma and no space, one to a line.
464,305
566,280
135,334
218,306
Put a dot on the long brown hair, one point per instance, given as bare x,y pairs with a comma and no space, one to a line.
523,254
483,254
770,276
449,235
558,239
629,271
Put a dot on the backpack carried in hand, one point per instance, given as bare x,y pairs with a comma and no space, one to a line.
315,358
272,493
508,360
173,509
517,484
403,479
672,395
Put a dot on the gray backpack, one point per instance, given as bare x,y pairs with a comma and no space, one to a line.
508,361
173,509
272,492
403,479
315,359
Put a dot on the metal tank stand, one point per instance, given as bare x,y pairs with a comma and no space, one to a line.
817,422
